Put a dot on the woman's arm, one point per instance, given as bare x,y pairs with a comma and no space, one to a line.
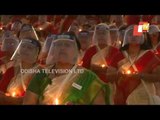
98,69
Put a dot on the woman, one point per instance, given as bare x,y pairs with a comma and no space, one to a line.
134,71
9,45
85,42
61,87
16,26
15,80
154,43
153,38
98,57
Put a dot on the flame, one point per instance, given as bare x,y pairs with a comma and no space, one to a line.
40,28
80,30
1,28
13,94
128,72
103,65
56,101
119,42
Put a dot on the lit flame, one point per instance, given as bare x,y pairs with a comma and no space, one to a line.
40,28
103,65
56,101
119,42
80,30
128,72
13,94
1,28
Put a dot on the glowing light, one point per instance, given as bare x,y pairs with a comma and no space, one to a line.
7,94
56,101
13,94
40,28
80,63
156,52
103,65
80,30
128,72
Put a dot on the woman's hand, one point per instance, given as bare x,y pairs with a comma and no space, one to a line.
99,69
131,75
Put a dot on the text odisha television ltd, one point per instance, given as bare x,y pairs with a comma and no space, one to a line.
48,71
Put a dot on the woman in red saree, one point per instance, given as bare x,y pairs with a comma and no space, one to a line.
9,45
134,71
85,42
16,79
98,57
153,38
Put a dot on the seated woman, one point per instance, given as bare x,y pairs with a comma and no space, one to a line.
153,38
16,79
64,82
98,57
134,70
9,45
85,42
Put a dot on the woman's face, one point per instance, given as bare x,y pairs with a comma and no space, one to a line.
154,37
28,52
102,37
9,45
84,41
66,51
134,40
